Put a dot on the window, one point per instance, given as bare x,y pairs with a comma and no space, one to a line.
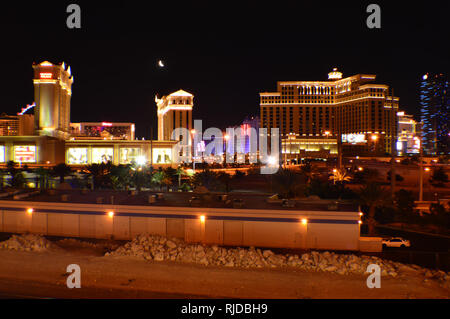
25,153
77,155
102,154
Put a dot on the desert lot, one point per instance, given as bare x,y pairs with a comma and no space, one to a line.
30,274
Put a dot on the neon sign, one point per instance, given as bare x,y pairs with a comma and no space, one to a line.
45,75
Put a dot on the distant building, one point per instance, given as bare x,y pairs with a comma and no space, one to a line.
313,115
16,125
241,140
102,131
174,111
408,141
435,113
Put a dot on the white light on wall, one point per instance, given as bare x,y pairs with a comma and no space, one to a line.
272,160
141,160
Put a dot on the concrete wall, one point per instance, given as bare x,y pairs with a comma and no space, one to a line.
233,227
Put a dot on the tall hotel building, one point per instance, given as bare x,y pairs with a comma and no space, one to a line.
313,115
52,93
435,114
47,137
174,111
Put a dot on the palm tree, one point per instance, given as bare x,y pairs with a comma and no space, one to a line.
171,173
180,171
225,179
17,178
2,175
61,170
121,176
308,170
141,176
206,178
289,183
160,178
42,175
372,195
100,174
340,176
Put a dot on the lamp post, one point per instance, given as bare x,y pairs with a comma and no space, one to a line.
226,138
374,138
420,167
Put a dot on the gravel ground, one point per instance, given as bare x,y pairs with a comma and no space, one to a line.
170,266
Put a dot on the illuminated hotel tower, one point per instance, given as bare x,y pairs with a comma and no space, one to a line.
174,111
52,92
312,115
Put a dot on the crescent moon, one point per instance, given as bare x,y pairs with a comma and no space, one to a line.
160,63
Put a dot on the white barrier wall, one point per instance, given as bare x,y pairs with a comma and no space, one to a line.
234,227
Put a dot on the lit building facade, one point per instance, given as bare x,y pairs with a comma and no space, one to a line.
16,125
48,137
408,141
82,152
102,130
52,94
435,114
313,115
174,111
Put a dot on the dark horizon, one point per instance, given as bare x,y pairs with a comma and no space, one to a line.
225,55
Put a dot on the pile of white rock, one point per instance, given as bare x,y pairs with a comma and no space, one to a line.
153,247
27,242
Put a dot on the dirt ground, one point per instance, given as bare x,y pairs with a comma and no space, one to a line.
43,275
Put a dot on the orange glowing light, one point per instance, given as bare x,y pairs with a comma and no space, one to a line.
45,75
202,218
111,214
30,211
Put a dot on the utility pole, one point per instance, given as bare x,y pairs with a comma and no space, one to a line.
151,149
420,166
393,145
339,141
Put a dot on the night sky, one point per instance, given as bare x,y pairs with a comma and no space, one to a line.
223,52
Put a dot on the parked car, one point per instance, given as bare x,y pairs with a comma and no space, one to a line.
288,203
396,242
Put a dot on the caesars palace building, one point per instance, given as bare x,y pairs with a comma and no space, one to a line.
50,138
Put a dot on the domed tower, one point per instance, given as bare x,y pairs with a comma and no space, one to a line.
52,93
335,75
